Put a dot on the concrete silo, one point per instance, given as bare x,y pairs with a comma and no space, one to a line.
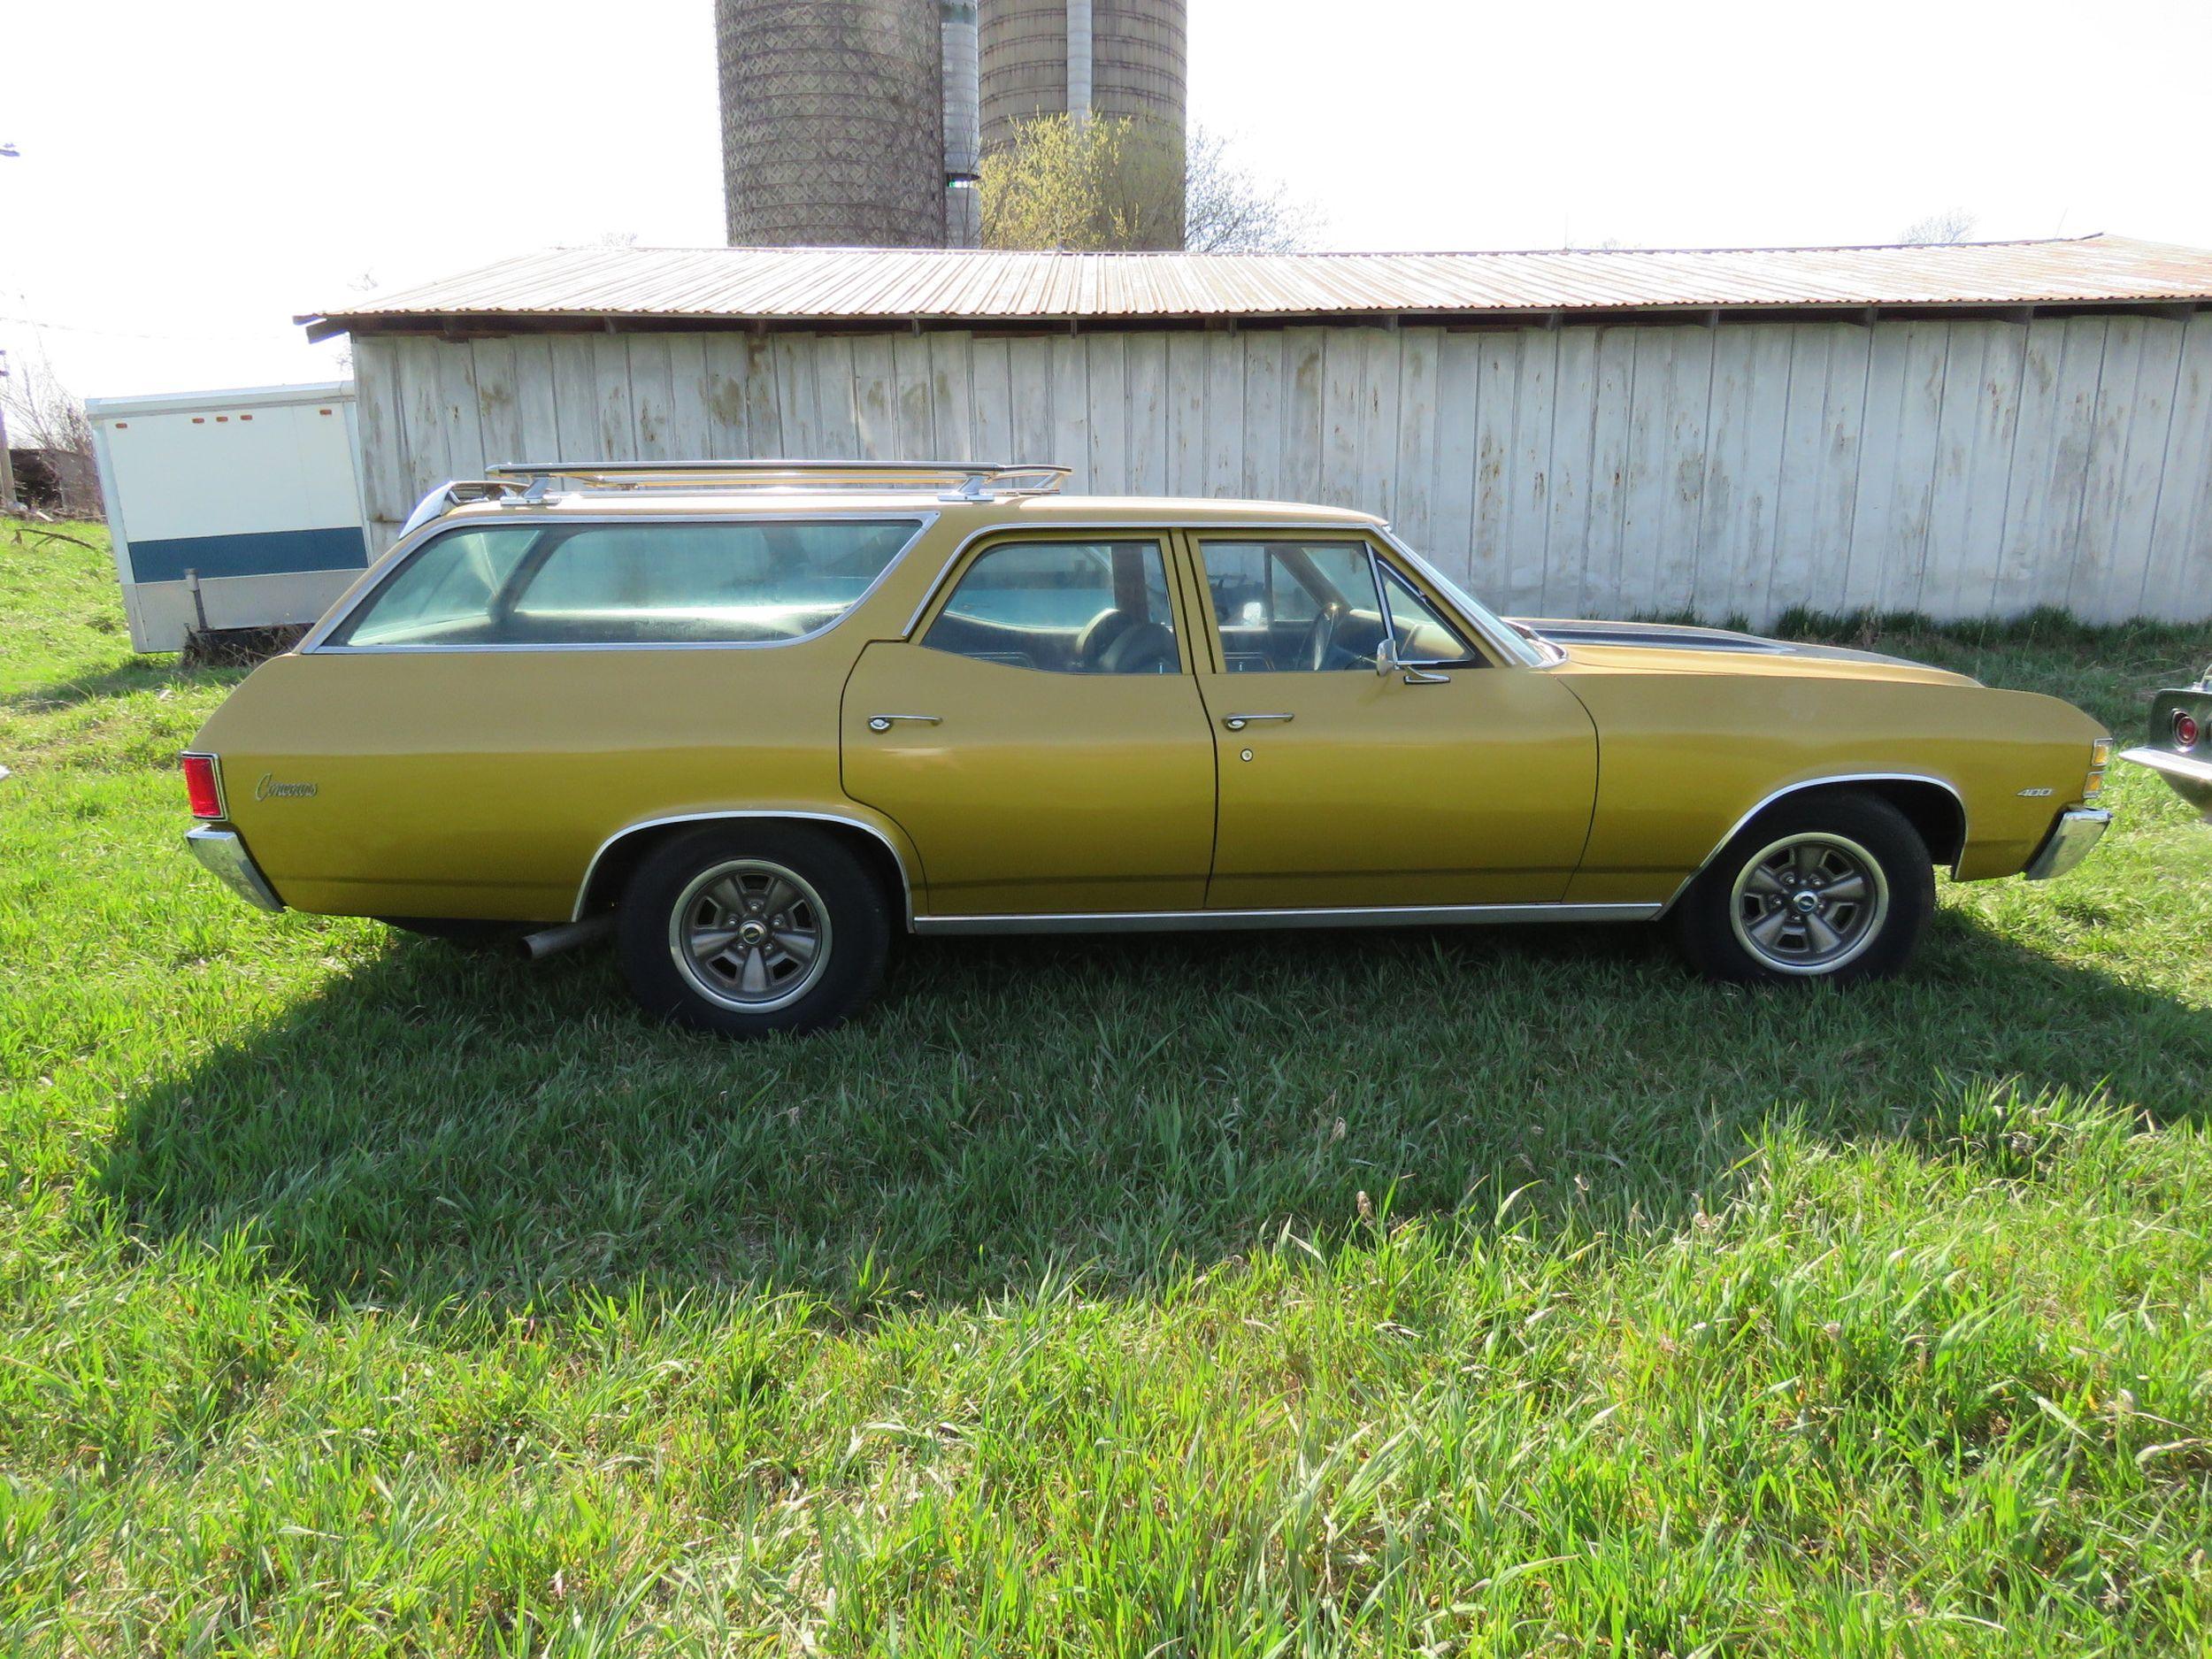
1083,57
833,122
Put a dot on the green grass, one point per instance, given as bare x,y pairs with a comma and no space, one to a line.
1482,1292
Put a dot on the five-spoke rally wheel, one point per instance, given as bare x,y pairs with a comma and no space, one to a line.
1830,886
744,931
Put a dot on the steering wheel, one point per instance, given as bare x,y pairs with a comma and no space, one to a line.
1320,640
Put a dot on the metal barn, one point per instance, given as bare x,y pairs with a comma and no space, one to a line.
1967,430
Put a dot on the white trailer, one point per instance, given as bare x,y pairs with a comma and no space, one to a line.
230,509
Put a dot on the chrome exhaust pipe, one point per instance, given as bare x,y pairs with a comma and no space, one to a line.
538,946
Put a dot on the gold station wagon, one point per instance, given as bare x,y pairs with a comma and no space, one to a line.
751,717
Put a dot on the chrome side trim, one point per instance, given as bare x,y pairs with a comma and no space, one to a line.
225,858
906,878
2079,829
1213,921
1156,532
1786,790
402,551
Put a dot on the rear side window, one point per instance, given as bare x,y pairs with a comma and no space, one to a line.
753,583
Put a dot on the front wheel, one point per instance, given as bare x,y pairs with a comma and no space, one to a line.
1831,887
744,931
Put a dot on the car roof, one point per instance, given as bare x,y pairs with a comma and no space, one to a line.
1040,509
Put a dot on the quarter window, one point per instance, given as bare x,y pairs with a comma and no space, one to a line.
1064,607
1425,635
753,583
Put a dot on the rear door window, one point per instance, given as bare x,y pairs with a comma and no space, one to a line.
757,582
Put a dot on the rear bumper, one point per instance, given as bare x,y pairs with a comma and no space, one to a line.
226,857
2191,777
2077,830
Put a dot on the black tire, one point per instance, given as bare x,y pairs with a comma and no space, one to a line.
1745,920
777,886
460,932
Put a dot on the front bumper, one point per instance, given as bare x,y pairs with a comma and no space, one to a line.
2191,777
226,857
2077,830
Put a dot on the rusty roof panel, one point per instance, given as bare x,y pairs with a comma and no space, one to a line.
888,284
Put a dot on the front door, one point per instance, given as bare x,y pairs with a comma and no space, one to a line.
1040,738
1451,780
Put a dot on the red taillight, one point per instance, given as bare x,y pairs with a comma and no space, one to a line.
2186,729
202,788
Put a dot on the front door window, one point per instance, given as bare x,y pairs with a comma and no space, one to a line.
1293,607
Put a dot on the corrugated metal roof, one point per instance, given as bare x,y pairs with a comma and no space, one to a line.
886,285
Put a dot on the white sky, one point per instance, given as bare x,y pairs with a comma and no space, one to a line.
191,176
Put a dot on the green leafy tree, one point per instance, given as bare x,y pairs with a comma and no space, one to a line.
1114,184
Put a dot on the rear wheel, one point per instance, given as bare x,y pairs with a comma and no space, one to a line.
744,931
1831,887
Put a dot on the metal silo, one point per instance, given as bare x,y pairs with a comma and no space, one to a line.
964,213
1085,58
833,122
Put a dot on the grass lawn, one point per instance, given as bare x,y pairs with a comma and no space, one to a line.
1495,1292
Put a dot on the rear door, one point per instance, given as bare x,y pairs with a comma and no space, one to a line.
1453,779
1041,737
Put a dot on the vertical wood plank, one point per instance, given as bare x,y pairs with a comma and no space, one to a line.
799,423
687,435
875,400
952,396
1381,363
383,436
1144,371
652,395
836,429
1108,421
612,397
764,413
2050,461
1604,551
726,428
1186,414
2101,581
498,416
1529,471
916,418
575,398
1343,412
2177,575
1071,409
1836,477
1566,528
1452,468
992,409
1029,369
1304,412
1413,445
1224,414
1264,416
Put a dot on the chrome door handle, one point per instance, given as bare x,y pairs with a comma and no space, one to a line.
883,722
1238,722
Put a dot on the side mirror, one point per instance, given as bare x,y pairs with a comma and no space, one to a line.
1387,657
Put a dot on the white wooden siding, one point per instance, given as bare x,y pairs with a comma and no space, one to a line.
1963,468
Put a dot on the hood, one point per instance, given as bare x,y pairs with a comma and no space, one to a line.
1673,648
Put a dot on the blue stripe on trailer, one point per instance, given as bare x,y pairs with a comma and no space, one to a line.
263,553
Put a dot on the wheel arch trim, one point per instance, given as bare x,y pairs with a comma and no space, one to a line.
1831,781
799,815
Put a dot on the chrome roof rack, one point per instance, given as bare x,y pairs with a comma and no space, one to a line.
949,480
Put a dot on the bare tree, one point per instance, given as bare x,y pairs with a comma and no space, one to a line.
1115,184
1953,224
1227,208
44,416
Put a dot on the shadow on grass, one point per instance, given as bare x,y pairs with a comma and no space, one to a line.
126,680
439,1131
